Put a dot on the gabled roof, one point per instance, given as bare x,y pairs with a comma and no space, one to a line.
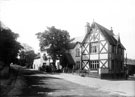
78,39
72,45
108,34
69,59
75,41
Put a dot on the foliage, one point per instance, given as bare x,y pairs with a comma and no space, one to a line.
26,47
55,41
9,46
46,69
27,57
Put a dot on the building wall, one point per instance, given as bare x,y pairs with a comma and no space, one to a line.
48,61
73,53
77,59
36,64
40,61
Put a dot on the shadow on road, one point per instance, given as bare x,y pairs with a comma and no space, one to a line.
34,85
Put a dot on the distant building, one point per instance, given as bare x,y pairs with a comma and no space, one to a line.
43,59
37,62
130,63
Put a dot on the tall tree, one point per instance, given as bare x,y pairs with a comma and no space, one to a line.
9,46
57,40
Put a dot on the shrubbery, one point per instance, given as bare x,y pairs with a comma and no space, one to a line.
47,69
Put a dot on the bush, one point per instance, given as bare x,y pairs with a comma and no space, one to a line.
48,69
41,69
58,71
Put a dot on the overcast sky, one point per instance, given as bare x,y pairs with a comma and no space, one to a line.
28,17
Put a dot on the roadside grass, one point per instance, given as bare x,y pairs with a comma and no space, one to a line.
6,84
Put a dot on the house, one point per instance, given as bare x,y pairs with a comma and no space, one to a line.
130,63
102,53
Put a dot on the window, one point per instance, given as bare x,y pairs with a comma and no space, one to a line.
77,66
94,65
77,52
94,47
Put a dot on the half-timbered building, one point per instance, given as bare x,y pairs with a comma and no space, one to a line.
102,53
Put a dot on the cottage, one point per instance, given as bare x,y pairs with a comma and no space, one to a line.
102,53
43,59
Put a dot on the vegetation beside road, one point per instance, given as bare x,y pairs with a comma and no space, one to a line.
12,52
7,84
9,49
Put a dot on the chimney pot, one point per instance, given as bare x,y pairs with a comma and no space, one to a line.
111,29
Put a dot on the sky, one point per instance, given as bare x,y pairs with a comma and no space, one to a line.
28,17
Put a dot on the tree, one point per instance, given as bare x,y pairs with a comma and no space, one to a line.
57,40
9,46
27,56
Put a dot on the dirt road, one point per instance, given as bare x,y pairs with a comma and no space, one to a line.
31,83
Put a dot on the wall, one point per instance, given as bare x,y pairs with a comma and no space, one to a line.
73,53
36,64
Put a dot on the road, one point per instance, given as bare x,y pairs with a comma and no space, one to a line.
31,83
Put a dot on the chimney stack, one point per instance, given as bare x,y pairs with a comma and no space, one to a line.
87,28
111,29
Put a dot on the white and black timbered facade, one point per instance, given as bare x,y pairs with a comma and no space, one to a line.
101,51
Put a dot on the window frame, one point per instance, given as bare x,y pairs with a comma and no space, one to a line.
94,64
78,52
94,47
